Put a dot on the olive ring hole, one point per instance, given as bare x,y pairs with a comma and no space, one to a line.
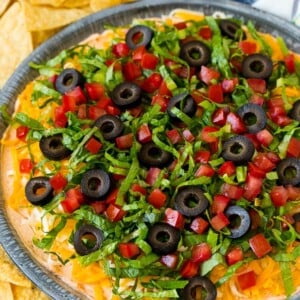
236,148
290,172
257,66
250,119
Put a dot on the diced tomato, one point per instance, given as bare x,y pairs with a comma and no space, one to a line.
169,260
248,47
114,212
228,167
262,161
260,245
215,93
228,85
152,83
174,136
131,71
152,175
93,145
199,225
219,116
293,192
236,123
174,218
98,206
205,32
202,156
198,96
219,204
273,157
136,111
188,135
60,118
255,170
144,134
164,90
207,75
189,269
257,99
232,191
264,137
21,132
252,187
82,111
201,253
257,85
162,101
25,165
204,170
234,255
73,200
94,90
255,219
104,102
277,112
120,50
207,134
124,141
290,63
138,53
293,149
58,181
95,112
77,94
180,25
279,195
149,61
113,110
112,196
157,198
246,279
138,189
252,137
219,221
129,250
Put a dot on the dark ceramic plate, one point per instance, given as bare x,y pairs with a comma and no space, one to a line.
75,33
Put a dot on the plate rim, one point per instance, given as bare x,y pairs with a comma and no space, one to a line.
13,246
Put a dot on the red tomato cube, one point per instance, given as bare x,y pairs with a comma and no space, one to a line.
157,198
201,253
93,145
246,280
174,218
169,260
189,269
260,245
219,221
279,195
199,225
129,250
235,255
58,181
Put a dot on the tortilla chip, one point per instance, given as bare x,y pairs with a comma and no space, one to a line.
5,291
15,41
40,18
75,3
10,273
102,4
32,293
55,3
39,37
3,5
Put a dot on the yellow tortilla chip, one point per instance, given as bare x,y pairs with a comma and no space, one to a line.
55,3
40,18
10,273
39,37
15,41
102,4
23,293
3,5
5,291
75,3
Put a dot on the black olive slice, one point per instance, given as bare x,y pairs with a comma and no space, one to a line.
68,79
230,29
95,183
295,111
53,148
139,35
110,126
126,95
190,201
238,149
257,66
201,283
288,171
195,53
151,155
253,116
184,102
39,191
163,238
87,239
239,221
